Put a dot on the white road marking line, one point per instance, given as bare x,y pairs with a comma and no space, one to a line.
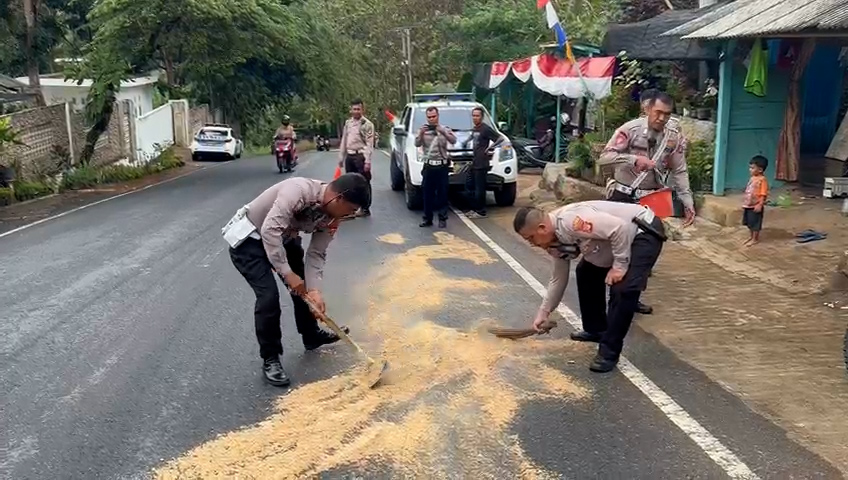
60,215
721,455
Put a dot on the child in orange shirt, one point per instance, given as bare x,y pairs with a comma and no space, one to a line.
755,199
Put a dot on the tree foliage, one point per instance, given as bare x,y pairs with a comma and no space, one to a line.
255,59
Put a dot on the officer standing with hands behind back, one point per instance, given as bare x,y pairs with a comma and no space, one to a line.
434,139
357,146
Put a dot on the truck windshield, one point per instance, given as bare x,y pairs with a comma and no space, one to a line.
455,118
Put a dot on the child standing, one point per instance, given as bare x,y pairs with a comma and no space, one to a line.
755,198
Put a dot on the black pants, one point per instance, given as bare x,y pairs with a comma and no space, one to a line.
623,198
435,190
613,320
356,164
251,261
478,185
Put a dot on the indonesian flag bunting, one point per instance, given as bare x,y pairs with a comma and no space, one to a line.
590,77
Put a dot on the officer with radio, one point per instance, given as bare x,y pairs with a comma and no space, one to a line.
619,244
652,143
434,139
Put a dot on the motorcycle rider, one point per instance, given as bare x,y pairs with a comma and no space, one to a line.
286,131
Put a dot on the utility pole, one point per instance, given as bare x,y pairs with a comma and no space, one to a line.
406,45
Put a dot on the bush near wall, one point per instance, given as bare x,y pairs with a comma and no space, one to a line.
90,177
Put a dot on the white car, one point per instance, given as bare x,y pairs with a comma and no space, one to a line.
216,141
455,113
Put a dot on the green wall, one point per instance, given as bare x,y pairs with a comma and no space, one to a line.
755,125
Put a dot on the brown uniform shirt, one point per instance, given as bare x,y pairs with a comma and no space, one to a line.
357,135
285,132
440,150
283,211
603,232
634,139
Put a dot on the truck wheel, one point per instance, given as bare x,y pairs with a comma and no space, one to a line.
396,175
505,196
413,195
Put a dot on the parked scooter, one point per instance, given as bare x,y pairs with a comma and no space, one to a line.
285,153
532,155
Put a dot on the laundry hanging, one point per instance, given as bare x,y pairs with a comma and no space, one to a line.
756,79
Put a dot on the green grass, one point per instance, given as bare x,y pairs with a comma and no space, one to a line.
90,177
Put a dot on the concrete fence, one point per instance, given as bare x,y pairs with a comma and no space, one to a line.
54,136
154,132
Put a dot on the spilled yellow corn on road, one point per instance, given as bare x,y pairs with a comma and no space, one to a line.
127,351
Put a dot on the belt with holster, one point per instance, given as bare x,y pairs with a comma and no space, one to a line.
630,191
355,152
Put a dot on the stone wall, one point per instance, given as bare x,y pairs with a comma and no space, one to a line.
44,133
47,149
197,117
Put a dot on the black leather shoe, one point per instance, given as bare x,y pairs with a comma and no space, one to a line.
321,338
273,372
443,223
644,309
582,336
602,365
426,223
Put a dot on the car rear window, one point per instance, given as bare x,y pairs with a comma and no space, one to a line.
213,132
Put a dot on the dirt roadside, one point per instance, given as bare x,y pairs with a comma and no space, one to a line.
749,323
19,214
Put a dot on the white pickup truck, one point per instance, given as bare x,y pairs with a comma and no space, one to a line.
455,113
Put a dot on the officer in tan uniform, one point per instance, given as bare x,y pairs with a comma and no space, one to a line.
619,244
264,238
357,145
652,143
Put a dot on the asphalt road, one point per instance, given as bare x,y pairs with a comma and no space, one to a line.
126,343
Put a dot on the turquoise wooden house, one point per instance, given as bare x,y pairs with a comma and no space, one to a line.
795,123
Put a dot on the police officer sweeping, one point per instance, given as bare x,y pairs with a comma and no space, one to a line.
357,145
652,143
619,244
264,239
434,139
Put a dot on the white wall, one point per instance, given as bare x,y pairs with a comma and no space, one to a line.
74,95
155,127
141,96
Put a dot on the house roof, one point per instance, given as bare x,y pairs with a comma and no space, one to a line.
12,90
759,18
58,80
645,41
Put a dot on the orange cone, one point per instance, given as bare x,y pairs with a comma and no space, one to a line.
338,173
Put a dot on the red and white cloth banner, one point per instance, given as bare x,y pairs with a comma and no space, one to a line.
558,76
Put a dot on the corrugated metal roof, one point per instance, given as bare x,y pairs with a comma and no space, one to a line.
706,19
753,18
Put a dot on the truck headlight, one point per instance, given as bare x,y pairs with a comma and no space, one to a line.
506,153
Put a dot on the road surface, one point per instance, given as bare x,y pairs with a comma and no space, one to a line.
127,351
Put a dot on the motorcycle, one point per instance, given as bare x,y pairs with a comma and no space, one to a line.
322,144
285,153
532,155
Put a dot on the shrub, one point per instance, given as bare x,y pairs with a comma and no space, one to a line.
6,196
699,162
29,190
580,154
81,178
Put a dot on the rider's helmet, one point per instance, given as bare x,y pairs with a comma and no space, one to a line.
286,119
